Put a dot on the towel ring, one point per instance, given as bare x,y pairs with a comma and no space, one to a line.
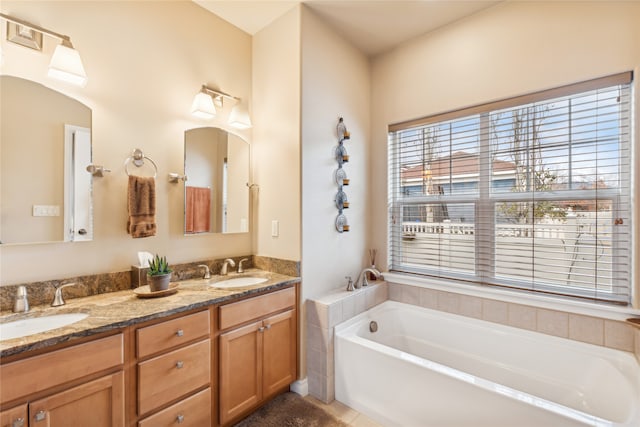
137,158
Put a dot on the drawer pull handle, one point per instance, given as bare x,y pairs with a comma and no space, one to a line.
18,422
180,419
179,333
180,364
40,415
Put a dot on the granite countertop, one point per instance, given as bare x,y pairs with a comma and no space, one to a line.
117,310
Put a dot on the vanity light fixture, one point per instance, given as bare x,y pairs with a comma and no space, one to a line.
202,106
205,102
65,64
239,117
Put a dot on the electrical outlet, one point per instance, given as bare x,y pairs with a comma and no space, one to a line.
275,228
46,210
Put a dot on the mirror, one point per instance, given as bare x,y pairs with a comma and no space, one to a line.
45,146
216,195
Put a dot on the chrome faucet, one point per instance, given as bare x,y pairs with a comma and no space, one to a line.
57,296
207,273
21,303
225,264
363,274
240,267
349,283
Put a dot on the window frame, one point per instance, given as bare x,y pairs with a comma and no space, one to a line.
485,201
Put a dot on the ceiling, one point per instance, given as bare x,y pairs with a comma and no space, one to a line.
372,26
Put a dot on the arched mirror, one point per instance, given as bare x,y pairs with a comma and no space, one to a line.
45,147
216,195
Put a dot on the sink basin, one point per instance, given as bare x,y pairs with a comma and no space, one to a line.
238,282
24,327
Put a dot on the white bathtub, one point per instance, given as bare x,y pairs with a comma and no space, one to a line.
426,368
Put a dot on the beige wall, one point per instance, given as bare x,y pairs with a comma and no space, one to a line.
335,83
511,49
144,68
276,136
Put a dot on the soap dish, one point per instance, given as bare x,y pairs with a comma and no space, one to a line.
145,291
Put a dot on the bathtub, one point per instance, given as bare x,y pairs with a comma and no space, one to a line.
426,368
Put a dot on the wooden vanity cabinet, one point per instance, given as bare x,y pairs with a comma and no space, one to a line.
166,372
257,351
174,367
80,385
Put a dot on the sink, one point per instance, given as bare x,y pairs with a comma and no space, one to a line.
238,282
24,327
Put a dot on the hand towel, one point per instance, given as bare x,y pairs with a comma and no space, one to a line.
198,212
141,206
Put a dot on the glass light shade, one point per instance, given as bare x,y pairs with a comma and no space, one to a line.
202,106
66,65
239,117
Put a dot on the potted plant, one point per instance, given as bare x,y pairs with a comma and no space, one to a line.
159,274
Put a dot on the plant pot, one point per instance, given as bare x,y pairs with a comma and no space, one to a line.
159,283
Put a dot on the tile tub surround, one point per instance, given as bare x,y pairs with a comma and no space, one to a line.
619,335
117,310
41,293
322,316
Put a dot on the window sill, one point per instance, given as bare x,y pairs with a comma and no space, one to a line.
514,296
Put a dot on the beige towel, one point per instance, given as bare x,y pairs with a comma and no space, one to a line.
198,214
141,206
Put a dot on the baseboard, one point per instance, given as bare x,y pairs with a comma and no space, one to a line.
300,387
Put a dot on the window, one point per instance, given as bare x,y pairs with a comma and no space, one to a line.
531,192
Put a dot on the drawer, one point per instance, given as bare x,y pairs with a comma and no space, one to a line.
47,370
194,411
172,375
172,333
254,308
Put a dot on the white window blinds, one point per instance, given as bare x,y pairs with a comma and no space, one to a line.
531,192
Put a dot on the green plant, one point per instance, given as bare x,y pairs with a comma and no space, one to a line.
158,266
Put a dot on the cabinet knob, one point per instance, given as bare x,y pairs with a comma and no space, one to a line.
261,329
179,332
18,422
40,416
180,419
179,364
267,327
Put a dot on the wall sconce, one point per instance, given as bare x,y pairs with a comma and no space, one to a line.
65,64
205,102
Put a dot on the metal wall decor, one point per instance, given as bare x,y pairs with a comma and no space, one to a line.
340,177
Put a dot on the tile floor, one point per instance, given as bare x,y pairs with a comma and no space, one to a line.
344,413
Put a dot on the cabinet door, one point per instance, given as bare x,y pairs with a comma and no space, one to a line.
98,403
240,370
279,352
14,417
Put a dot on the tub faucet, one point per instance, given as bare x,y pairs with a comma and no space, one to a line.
363,274
57,296
225,264
21,303
207,273
240,267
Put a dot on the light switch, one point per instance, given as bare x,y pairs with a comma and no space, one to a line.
275,228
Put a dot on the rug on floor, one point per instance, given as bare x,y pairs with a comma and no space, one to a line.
290,410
